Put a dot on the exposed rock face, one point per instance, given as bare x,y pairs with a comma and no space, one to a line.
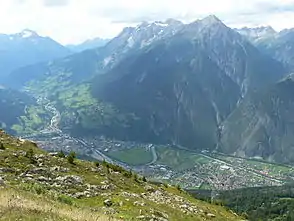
262,125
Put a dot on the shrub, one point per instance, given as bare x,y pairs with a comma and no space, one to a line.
34,188
97,164
71,157
61,154
136,178
2,146
144,179
31,156
128,174
65,199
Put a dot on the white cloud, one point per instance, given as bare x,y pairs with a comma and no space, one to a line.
71,21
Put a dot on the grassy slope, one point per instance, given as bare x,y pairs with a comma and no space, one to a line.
32,199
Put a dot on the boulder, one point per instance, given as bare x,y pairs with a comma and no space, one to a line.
210,215
107,203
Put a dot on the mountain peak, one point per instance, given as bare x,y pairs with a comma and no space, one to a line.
27,33
211,19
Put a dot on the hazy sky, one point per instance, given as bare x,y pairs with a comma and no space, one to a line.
72,21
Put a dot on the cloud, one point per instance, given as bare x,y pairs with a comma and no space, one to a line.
52,3
70,21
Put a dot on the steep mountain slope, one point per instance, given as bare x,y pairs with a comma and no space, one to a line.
262,125
182,87
37,185
89,44
26,48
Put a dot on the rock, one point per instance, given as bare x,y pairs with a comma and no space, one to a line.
72,179
43,179
7,170
78,195
210,215
107,187
59,169
108,202
38,170
149,188
54,154
137,203
105,182
142,217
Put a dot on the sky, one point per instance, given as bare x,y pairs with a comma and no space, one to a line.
73,21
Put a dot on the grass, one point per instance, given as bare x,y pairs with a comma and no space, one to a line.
18,205
134,156
34,200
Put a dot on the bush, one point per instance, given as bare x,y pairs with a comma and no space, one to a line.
2,146
61,154
179,187
128,174
97,164
71,157
144,179
31,156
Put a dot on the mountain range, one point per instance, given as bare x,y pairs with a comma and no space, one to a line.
88,44
26,48
201,85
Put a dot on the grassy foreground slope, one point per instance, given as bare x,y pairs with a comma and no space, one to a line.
36,185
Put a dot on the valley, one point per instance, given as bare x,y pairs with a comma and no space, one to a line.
166,119
165,163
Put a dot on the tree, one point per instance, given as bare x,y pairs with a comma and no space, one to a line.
71,157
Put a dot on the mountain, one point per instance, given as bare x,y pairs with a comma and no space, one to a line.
36,185
182,87
262,125
13,105
279,45
25,48
258,33
162,82
86,64
89,44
